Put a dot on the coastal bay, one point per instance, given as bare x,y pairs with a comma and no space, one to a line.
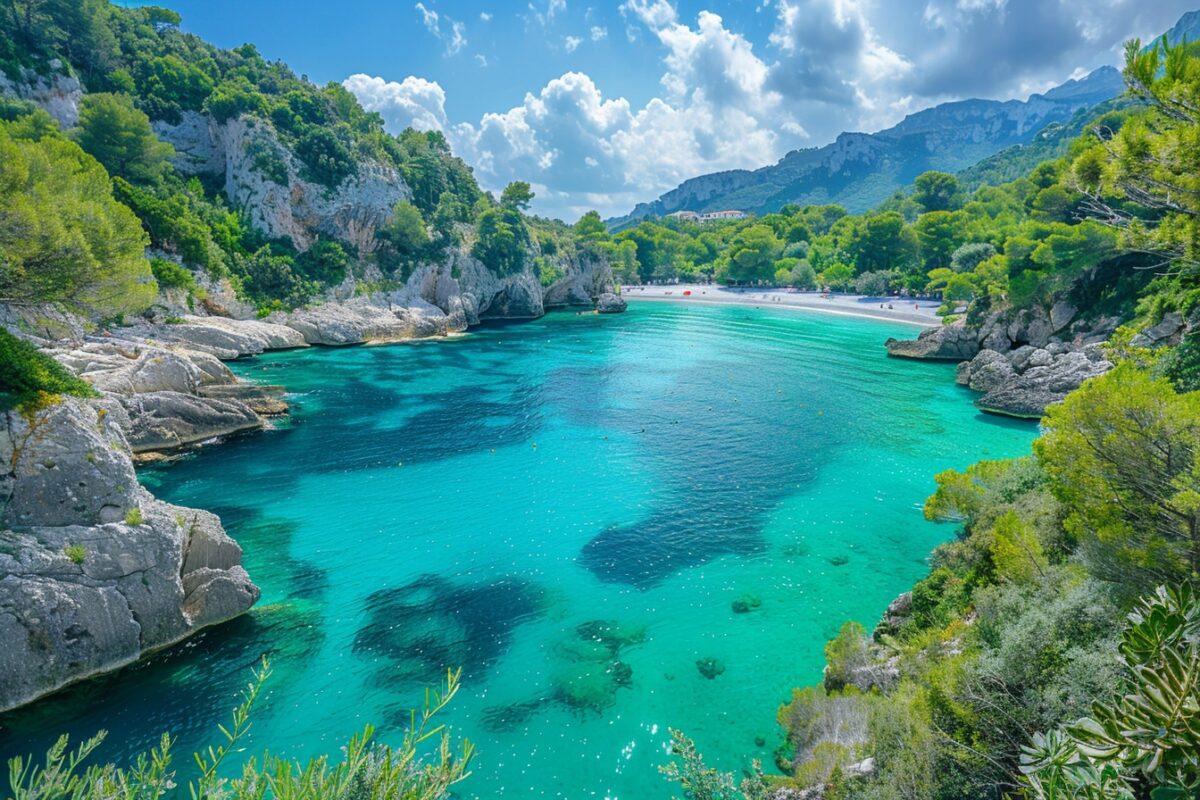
569,509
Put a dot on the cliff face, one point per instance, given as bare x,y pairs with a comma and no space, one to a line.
265,179
94,571
57,93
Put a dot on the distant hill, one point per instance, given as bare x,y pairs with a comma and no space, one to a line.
1187,28
1053,141
1050,143
859,170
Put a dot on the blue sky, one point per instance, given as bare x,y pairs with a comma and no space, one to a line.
603,104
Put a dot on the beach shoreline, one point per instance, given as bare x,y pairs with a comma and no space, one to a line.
904,310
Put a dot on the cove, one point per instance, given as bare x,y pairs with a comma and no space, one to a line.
567,509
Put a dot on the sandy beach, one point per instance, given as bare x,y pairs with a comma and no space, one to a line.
905,310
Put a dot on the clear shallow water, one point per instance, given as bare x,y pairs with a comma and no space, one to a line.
567,509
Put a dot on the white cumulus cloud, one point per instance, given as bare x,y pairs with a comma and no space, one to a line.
727,102
411,103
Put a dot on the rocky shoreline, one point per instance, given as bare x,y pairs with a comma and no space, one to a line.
1021,361
95,572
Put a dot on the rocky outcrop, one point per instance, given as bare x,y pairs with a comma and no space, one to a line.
446,298
586,278
609,303
947,343
1167,331
1022,382
171,395
898,611
221,337
94,571
57,94
1023,360
368,319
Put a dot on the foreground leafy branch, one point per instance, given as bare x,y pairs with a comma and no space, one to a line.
368,770
701,782
1147,739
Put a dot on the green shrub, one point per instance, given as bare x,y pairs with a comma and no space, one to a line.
326,158
133,516
547,271
268,160
701,782
503,238
1182,364
845,655
326,262
425,765
76,552
27,373
171,275
63,238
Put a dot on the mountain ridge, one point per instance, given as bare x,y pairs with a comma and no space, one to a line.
858,170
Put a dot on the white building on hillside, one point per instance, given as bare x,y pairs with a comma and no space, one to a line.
709,216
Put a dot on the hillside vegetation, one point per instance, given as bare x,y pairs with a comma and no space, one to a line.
140,70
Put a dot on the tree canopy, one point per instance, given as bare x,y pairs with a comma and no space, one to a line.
119,136
63,237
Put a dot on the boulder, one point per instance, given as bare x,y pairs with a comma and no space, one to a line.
1166,331
987,371
1019,358
1030,326
1061,314
954,342
1045,376
1039,358
897,612
609,303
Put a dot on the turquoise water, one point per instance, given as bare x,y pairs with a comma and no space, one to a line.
567,509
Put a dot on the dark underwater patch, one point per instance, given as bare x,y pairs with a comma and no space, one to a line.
718,457
650,551
430,625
